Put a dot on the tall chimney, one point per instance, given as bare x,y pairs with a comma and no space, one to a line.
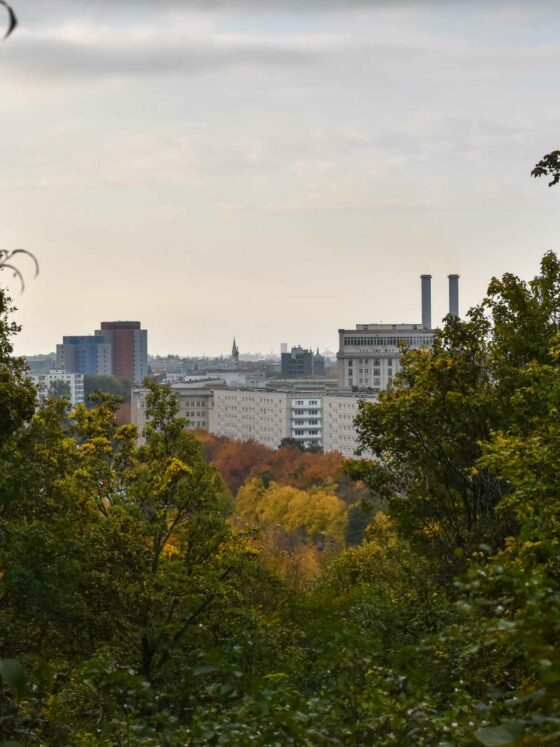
454,295
426,301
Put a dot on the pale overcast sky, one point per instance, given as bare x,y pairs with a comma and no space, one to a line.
273,169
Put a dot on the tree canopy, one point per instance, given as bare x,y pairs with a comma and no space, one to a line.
193,591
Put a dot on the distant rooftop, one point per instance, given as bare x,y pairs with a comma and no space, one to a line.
120,325
387,328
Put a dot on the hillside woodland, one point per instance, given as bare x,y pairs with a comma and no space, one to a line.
195,591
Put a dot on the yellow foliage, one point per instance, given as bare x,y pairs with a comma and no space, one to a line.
170,551
175,469
383,560
317,512
248,497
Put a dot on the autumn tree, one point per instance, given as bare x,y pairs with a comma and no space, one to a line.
17,393
426,433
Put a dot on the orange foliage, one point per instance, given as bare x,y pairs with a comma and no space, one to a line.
239,461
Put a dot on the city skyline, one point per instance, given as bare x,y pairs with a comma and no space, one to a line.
271,170
330,347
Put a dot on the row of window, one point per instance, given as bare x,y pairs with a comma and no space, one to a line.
413,341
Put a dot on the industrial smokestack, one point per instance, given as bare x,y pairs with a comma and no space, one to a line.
454,295
426,301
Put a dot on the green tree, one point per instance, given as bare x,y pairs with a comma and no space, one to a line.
60,389
291,443
426,433
549,166
107,385
17,393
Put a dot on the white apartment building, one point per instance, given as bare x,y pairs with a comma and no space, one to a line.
251,415
339,412
306,417
73,381
267,417
369,356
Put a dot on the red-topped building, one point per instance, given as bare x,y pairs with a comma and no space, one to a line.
130,349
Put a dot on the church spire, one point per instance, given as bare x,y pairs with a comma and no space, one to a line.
235,351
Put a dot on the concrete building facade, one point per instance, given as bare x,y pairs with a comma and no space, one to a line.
369,356
194,405
117,349
267,417
251,415
306,417
297,363
85,354
73,381
129,349
339,432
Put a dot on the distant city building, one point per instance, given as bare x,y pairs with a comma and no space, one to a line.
369,356
313,418
129,349
251,415
250,379
306,418
57,382
319,368
85,354
297,363
41,363
339,431
194,405
317,383
117,349
168,364
235,354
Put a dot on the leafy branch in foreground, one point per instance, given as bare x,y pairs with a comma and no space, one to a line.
549,165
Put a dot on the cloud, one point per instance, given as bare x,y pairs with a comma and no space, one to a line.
269,5
120,55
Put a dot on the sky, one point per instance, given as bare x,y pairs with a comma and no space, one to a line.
271,169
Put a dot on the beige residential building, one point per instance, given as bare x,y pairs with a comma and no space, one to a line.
267,417
245,415
194,405
339,432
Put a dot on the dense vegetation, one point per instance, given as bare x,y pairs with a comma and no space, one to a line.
152,595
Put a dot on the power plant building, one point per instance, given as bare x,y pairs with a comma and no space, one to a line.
369,356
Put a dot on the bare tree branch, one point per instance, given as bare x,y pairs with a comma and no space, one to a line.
12,19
